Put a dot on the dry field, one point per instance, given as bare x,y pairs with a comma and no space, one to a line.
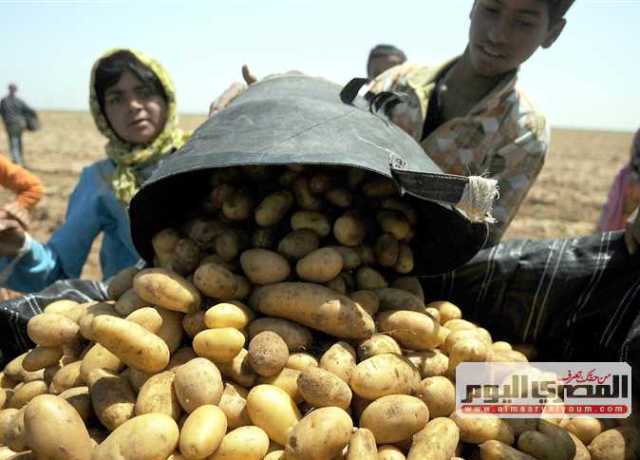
565,201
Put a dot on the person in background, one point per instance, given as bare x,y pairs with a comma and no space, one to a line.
133,104
383,57
17,116
468,114
624,194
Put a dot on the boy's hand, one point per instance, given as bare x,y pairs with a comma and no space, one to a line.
632,233
232,92
16,212
12,237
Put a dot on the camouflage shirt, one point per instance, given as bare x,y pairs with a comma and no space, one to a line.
502,137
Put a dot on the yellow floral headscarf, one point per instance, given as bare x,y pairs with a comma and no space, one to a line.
125,181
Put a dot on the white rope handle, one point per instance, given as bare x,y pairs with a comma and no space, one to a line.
478,198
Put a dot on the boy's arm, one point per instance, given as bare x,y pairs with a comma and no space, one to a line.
25,185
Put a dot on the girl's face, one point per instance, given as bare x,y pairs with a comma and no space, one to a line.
135,111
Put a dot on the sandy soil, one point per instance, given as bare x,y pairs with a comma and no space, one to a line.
565,201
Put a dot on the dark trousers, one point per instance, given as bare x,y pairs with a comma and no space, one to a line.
15,145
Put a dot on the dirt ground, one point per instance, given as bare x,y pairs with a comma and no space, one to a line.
565,201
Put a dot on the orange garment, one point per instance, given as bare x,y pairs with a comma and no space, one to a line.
25,185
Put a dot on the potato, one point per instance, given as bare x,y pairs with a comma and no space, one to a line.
93,310
112,398
171,331
98,357
243,288
121,282
164,243
80,400
585,428
27,392
496,450
197,383
395,223
459,324
129,302
340,197
369,279
404,263
263,266
390,453
321,388
215,281
273,410
244,443
436,441
273,208
166,289
398,299
303,195
145,437
548,442
501,346
462,334
339,359
322,434
268,353
299,243
41,357
469,350
66,377
193,323
5,396
234,405
227,246
158,395
311,220
6,381
394,418
582,453
6,419
378,344
411,329
320,266
202,432
186,256
132,343
387,250
296,337
238,206
287,379
439,394
379,187
275,455
239,370
362,446
13,369
476,430
410,284
181,356
52,330
368,300
383,375
69,308
43,418
225,314
506,356
300,361
316,307
219,345
147,317
621,443
15,436
349,229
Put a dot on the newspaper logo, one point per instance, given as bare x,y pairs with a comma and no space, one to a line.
530,390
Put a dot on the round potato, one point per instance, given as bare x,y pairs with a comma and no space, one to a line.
244,443
193,323
300,361
295,336
52,330
370,279
439,394
112,398
158,395
226,314
147,317
273,208
496,450
311,220
263,266
349,229
197,383
394,418
476,430
268,353
215,281
145,437
27,392
43,418
202,432
411,329
166,289
299,243
273,410
390,453
340,360
66,377
322,434
321,388
219,345
320,266
383,375
378,344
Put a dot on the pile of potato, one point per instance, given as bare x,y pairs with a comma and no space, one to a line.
280,321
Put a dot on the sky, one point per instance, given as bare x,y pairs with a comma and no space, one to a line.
589,79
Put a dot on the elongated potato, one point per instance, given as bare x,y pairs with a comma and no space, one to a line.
41,357
158,395
166,289
382,375
320,266
339,359
273,208
66,377
197,383
436,441
296,337
234,405
321,388
394,418
219,345
299,243
411,329
52,330
476,430
129,302
362,446
322,434
215,281
316,307
263,266
273,410
202,432
147,317
121,282
112,398
43,418
228,314
244,443
132,343
26,393
145,437
496,450
93,310
6,419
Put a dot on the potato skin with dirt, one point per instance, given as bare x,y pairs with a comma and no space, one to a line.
320,435
268,353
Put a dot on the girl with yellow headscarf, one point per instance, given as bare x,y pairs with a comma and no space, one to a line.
133,104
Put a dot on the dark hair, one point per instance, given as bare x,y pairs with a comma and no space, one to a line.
383,50
557,9
111,68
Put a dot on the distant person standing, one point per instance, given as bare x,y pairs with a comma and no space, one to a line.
624,194
17,116
383,57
